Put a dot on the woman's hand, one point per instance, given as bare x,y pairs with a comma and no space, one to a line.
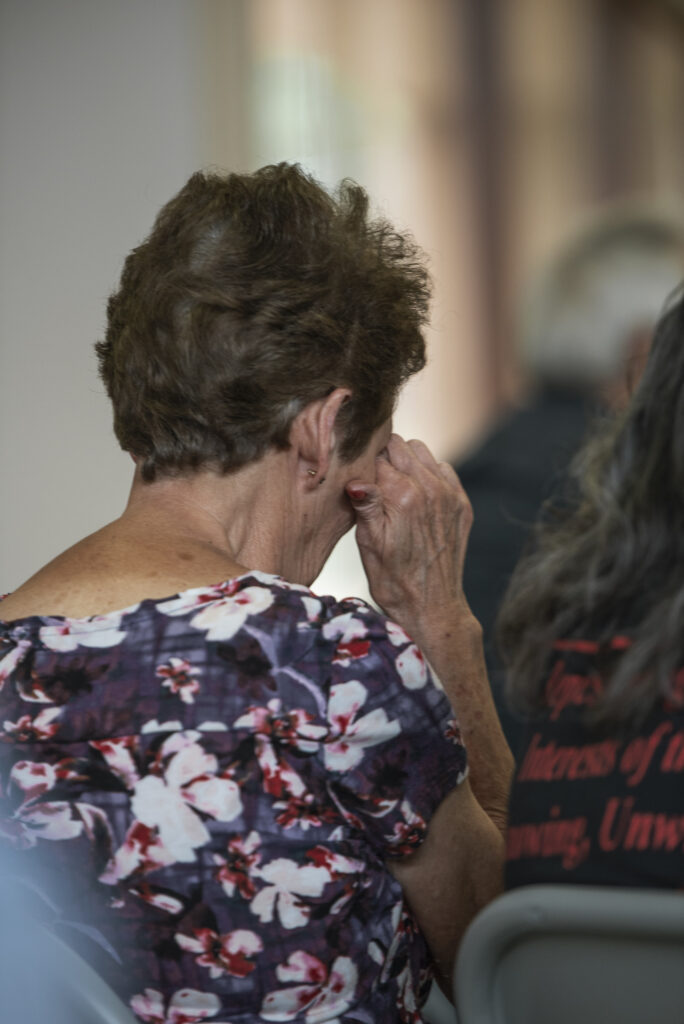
412,528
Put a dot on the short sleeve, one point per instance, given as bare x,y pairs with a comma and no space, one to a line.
393,750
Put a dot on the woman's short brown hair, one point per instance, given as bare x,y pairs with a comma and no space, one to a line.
254,295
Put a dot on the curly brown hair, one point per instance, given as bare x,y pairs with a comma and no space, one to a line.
254,295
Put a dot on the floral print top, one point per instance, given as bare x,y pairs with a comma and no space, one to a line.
211,785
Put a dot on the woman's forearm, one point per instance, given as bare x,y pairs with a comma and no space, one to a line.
412,528
452,642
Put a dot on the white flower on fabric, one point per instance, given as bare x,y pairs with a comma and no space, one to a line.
223,619
117,754
231,953
109,635
178,741
51,821
42,727
189,782
313,607
293,727
12,659
33,692
269,579
167,829
386,957
58,638
336,863
287,881
274,731
301,811
396,634
279,777
100,631
149,1006
95,821
412,669
141,852
179,677
453,732
349,736
236,872
408,834
375,952
33,778
192,599
160,900
319,993
346,627
406,996
155,726
192,773
186,1006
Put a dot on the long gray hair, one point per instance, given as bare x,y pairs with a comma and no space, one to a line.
611,560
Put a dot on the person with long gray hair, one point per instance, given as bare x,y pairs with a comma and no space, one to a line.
585,326
592,635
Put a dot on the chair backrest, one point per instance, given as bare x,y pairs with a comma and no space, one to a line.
569,954
42,978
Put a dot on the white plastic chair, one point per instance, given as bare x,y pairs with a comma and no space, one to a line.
574,955
43,980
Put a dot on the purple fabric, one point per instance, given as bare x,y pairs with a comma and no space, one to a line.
212,784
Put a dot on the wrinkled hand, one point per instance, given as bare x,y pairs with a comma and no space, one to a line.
412,528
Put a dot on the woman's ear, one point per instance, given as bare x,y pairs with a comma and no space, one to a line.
314,436
332,404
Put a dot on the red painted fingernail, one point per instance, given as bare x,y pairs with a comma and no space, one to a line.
356,493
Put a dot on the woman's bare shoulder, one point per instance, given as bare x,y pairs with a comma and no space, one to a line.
104,573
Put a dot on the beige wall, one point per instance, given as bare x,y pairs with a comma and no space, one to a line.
99,124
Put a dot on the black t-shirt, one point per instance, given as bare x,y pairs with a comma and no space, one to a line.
590,808
508,477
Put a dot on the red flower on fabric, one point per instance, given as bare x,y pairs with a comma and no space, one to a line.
178,675
223,954
303,812
42,727
186,1006
235,870
350,650
277,730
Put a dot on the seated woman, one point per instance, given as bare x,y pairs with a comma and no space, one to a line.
256,800
592,630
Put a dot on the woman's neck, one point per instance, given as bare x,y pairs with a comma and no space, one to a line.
234,518
179,533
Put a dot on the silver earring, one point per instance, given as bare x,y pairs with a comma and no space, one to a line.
311,472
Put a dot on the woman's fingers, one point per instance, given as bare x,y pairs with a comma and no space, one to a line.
449,474
399,454
412,525
415,459
407,477
423,454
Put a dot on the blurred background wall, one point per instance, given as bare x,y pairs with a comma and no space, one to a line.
490,128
